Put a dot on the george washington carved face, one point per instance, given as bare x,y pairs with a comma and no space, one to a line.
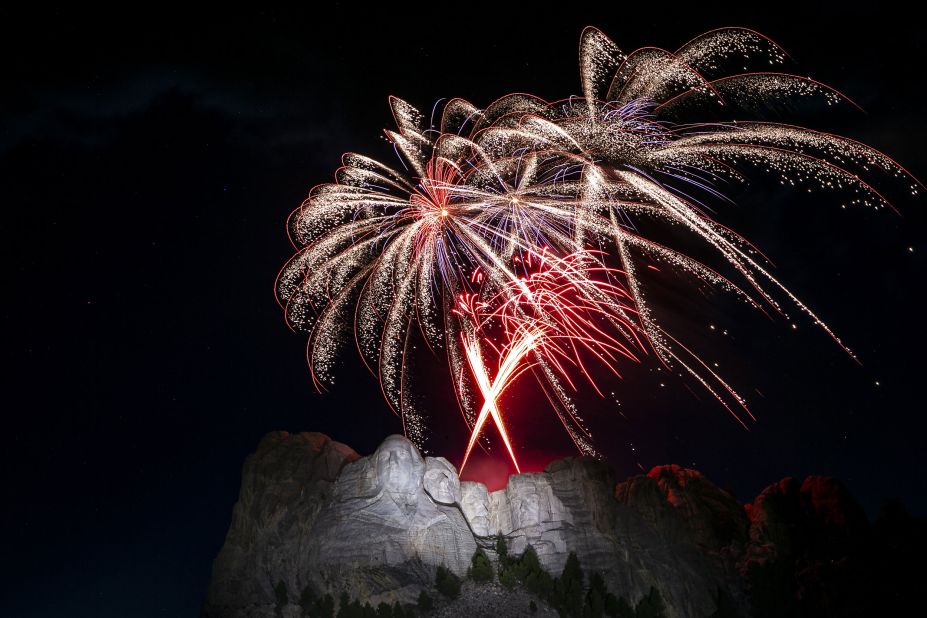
399,469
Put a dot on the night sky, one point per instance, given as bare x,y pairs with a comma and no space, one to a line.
148,162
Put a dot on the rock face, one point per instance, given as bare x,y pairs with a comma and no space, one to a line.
699,525
284,486
317,517
804,539
381,534
686,506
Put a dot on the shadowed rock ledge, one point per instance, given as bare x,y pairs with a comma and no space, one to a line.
316,516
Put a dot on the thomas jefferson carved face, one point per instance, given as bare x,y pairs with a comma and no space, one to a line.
441,482
399,468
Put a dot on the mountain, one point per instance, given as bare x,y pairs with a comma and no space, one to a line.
315,519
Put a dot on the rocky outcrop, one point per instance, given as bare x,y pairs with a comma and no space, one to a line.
704,526
382,534
323,520
317,517
285,485
809,551
686,506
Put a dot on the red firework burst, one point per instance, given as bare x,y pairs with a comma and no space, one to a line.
568,308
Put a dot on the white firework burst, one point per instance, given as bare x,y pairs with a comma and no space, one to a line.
380,252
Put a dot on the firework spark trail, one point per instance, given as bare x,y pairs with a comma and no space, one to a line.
552,315
490,190
509,369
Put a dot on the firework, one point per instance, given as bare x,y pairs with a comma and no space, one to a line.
487,195
568,307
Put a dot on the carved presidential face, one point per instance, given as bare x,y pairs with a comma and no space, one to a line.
441,481
474,502
399,467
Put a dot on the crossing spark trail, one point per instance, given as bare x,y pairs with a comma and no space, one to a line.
569,306
489,199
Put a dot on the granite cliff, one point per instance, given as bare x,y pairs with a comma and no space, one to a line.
318,517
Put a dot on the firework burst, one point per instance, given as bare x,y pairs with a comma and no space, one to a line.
512,214
568,308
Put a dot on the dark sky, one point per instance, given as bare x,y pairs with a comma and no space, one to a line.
148,161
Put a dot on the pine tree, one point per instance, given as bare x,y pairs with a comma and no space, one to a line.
572,585
502,551
595,597
725,606
281,596
508,579
618,607
306,600
530,561
323,607
424,602
480,569
447,583
344,605
651,606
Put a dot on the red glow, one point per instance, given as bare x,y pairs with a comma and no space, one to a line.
550,318
494,472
